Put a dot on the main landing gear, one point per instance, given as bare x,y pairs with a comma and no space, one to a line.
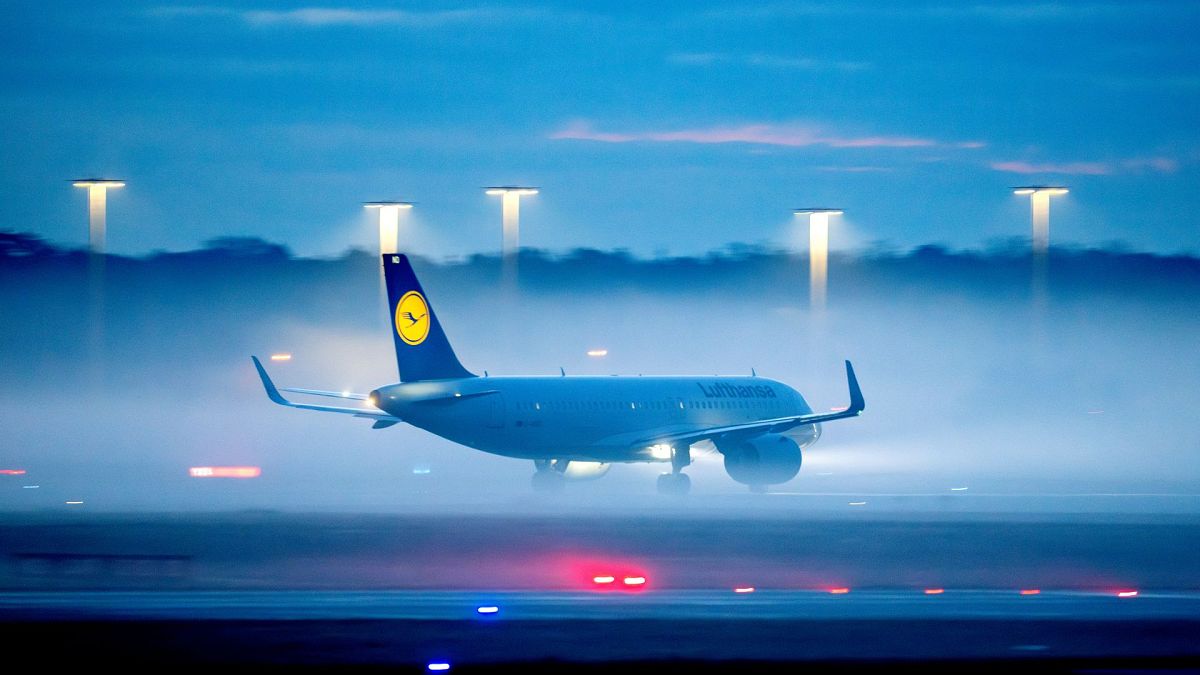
677,482
549,475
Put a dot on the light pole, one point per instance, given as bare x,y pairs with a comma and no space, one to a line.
97,209
1039,206
818,253
389,223
510,196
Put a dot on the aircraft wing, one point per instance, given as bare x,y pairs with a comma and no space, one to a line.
774,425
382,419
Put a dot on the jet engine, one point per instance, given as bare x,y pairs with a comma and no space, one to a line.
764,460
577,471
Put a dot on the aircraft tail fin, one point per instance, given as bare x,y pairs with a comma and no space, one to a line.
422,350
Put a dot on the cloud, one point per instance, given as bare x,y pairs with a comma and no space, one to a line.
981,11
759,60
855,169
784,135
1157,164
1071,168
325,17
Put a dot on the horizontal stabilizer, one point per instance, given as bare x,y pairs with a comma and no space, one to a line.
331,394
276,397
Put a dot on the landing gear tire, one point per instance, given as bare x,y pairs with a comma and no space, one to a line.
674,484
548,481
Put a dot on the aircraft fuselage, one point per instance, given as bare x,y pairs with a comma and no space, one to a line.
601,419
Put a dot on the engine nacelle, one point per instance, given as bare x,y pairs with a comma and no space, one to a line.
769,459
586,470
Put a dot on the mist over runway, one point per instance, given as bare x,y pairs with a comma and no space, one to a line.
970,390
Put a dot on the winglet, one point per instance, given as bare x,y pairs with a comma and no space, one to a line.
272,392
857,404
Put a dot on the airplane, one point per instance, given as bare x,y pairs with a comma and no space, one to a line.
575,428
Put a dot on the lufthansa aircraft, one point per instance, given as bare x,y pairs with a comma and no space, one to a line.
576,427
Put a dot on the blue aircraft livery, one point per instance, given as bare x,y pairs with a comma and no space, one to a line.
575,428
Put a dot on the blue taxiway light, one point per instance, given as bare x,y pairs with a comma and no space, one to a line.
438,666
487,609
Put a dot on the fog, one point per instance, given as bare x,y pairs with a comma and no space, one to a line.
972,379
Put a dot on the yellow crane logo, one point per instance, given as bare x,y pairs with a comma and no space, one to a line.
412,318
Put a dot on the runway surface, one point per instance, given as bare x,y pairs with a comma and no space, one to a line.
334,590
600,605
702,631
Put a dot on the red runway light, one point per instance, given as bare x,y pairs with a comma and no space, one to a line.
839,591
744,589
635,581
1127,594
934,591
12,472
1030,591
225,472
603,579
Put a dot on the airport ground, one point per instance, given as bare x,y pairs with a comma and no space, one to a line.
833,592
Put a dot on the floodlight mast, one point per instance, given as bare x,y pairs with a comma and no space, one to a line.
818,253
389,223
98,209
1039,207
510,196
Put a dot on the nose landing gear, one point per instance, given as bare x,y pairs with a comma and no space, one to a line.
676,482
549,476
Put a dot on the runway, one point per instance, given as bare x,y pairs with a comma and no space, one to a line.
702,631
362,590
882,604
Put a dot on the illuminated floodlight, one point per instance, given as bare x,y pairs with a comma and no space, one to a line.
1127,594
858,503
12,472
744,589
31,487
934,591
597,352
603,579
958,489
839,591
438,666
1031,591
510,204
634,581
389,223
225,472
818,252
487,609
281,357
1039,205
660,451
97,208
75,502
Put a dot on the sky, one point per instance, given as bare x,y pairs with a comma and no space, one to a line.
662,128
